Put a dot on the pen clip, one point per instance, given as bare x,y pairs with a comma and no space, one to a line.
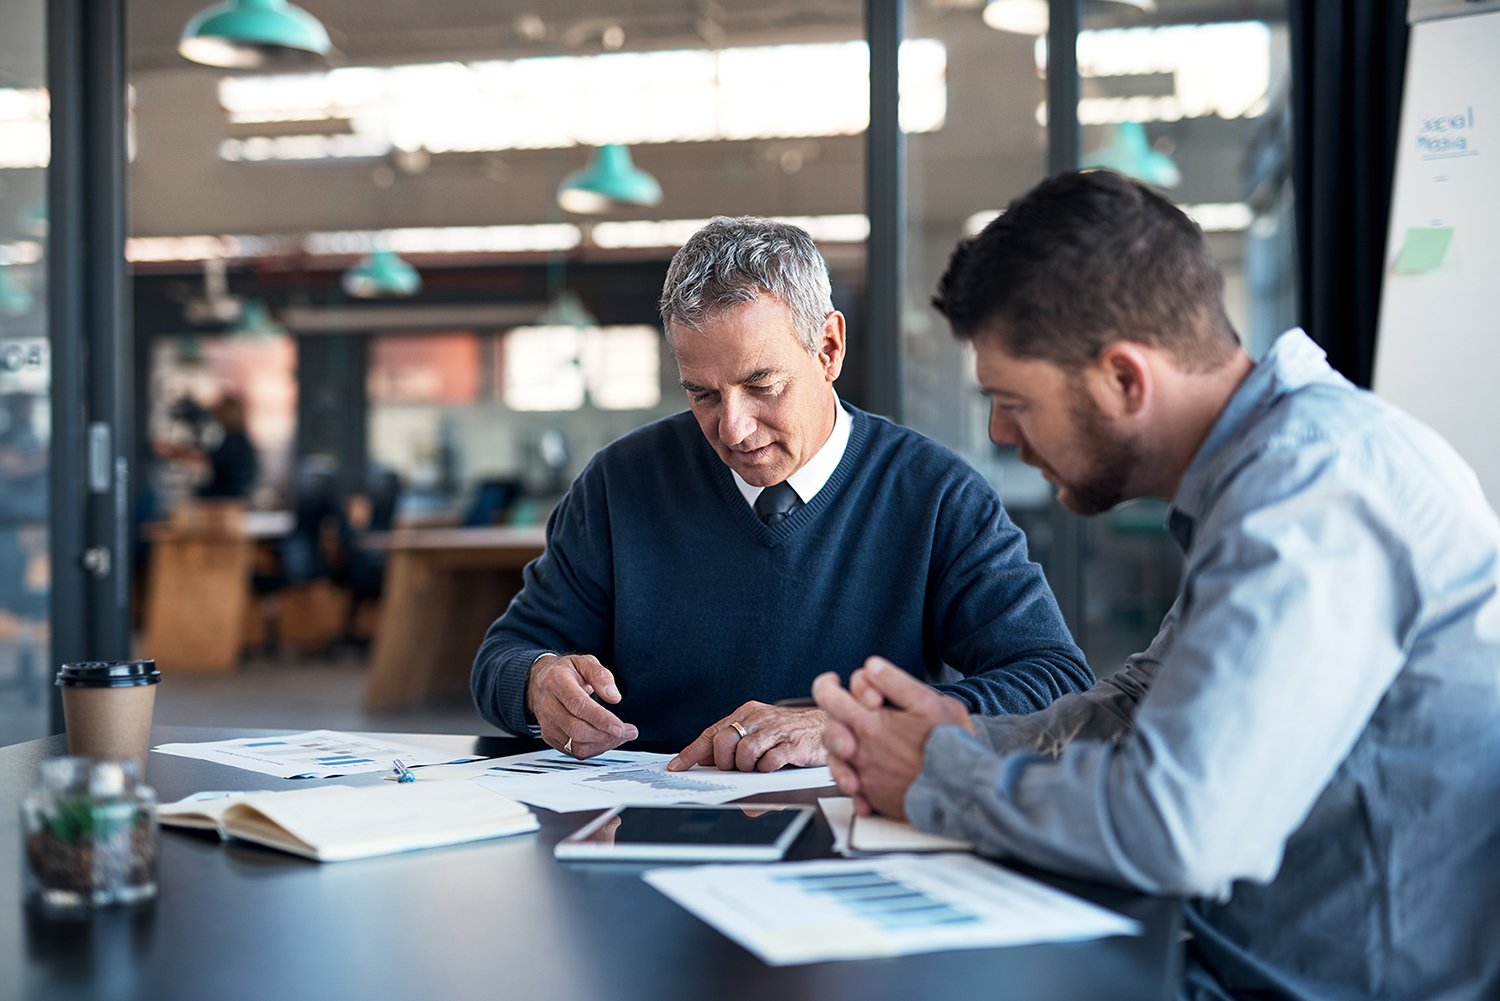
403,774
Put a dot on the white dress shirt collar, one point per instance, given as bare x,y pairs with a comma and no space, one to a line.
808,480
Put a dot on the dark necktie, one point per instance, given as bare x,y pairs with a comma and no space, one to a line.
775,503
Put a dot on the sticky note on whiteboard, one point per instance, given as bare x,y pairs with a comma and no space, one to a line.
1424,249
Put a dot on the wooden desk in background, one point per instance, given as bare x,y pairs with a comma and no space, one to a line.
198,585
443,588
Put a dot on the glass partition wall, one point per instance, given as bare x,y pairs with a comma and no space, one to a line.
1188,97
25,374
443,136
521,335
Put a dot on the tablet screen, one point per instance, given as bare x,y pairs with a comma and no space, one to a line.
688,832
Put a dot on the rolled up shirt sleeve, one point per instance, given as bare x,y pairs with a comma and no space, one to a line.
1261,681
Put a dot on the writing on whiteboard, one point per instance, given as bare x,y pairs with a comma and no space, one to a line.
1449,134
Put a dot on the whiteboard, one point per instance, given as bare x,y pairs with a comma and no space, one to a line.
1437,354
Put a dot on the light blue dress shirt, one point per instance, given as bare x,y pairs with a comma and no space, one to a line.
1310,748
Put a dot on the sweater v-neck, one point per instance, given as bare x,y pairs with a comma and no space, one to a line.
774,535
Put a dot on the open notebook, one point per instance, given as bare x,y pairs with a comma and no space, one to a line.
337,822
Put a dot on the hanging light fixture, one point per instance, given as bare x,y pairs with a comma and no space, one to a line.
1129,152
382,273
33,218
15,299
1030,17
253,34
565,310
215,307
256,321
610,179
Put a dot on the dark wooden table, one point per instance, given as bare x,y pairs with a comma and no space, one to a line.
490,920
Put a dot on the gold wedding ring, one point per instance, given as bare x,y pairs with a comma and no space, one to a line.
568,747
739,728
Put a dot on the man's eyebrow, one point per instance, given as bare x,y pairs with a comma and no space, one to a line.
756,376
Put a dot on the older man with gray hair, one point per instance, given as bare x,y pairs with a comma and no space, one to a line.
708,565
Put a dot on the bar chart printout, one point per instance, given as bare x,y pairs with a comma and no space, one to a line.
316,754
560,782
809,912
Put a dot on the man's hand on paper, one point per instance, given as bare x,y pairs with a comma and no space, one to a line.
558,693
773,737
876,732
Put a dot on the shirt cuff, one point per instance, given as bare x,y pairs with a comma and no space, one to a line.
939,798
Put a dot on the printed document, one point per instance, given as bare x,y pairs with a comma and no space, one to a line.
560,782
316,754
809,912
855,836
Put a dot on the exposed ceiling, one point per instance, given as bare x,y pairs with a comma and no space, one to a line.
370,33
991,147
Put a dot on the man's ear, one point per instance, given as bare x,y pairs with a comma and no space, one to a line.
831,347
1121,379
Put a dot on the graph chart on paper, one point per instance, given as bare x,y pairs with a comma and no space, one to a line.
655,780
313,754
806,912
559,782
882,900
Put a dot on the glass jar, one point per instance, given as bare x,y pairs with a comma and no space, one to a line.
89,835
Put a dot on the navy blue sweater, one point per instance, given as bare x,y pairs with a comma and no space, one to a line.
657,566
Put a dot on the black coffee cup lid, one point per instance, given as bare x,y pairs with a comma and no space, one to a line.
108,674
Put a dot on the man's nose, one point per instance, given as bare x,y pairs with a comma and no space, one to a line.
1003,430
736,423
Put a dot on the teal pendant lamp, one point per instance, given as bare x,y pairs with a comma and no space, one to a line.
610,179
565,310
256,321
189,349
383,273
33,218
15,298
254,34
1131,154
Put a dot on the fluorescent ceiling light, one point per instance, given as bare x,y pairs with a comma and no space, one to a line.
439,240
1221,70
739,93
1030,17
1211,217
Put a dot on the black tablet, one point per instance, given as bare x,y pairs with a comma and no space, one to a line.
686,832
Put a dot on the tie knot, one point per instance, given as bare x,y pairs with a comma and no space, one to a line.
776,502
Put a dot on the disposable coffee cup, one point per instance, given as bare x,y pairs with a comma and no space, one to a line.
107,708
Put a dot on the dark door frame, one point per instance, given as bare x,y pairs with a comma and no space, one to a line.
88,310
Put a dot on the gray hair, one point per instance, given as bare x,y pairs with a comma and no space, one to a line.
733,261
